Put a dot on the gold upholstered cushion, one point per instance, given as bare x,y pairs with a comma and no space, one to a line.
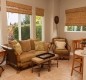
26,45
27,56
17,48
39,46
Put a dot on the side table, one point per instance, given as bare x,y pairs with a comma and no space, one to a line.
2,58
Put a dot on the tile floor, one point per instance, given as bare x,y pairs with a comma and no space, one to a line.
61,73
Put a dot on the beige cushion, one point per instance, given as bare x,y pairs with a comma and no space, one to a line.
26,46
60,44
57,39
17,48
39,45
79,52
37,60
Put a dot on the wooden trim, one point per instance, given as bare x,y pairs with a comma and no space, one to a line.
39,12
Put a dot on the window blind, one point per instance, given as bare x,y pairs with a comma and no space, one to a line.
76,17
39,12
18,8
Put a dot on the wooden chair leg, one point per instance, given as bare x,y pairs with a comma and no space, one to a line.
49,65
82,67
32,67
39,70
57,62
72,66
1,70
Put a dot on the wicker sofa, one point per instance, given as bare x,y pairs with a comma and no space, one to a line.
29,51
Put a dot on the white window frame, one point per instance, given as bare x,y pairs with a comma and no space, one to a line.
43,29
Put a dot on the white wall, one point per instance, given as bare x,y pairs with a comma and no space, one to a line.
3,23
54,11
69,4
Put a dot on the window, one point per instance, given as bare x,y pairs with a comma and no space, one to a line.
39,27
39,23
77,17
25,26
18,17
18,26
75,28
12,22
84,28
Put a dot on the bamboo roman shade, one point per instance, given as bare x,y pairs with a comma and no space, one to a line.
76,17
18,8
39,12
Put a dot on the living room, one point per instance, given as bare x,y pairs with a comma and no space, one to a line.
41,13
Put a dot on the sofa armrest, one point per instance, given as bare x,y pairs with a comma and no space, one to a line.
6,47
11,57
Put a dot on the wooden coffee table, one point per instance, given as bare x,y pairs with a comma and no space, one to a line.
39,60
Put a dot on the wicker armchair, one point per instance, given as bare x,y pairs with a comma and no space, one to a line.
64,53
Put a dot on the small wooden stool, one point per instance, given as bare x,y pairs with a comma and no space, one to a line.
77,58
40,62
